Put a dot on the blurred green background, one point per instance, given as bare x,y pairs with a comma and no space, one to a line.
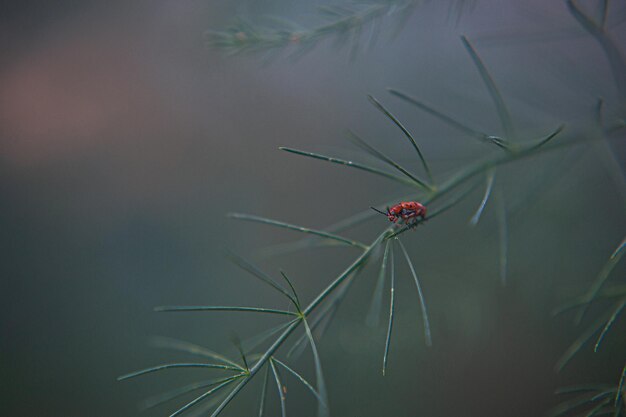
124,141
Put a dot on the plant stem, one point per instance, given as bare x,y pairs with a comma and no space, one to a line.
308,310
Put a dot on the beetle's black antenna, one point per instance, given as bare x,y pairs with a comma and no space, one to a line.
378,211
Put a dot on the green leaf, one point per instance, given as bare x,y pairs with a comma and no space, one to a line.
582,18
503,112
257,219
301,379
178,392
373,316
377,154
349,164
391,311
293,290
579,343
620,249
481,136
264,391
609,46
595,411
503,233
203,396
279,385
319,376
614,291
257,273
355,265
549,137
237,342
583,388
618,309
567,406
183,346
489,185
222,308
408,135
254,341
620,388
349,222
176,365
427,334
601,279
323,316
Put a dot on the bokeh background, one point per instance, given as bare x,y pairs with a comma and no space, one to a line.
124,141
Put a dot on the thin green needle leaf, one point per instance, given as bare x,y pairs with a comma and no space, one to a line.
583,388
618,309
329,290
503,232
604,8
373,316
566,406
257,219
427,335
335,301
620,387
279,385
222,308
607,293
452,202
298,347
462,176
287,248
293,290
601,279
176,365
595,411
237,342
489,179
203,396
599,114
483,137
304,381
253,342
264,391
319,376
183,346
610,47
392,298
349,164
549,137
620,249
580,342
324,316
173,394
256,272
503,112
347,273
582,18
408,135
376,153
349,222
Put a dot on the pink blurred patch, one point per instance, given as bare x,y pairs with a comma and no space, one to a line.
65,95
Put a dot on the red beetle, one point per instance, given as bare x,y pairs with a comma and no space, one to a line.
409,211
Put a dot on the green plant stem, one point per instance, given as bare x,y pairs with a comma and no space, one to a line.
446,187
308,310
321,233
